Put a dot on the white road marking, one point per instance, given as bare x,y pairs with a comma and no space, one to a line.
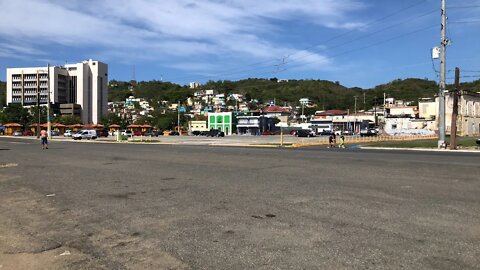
8,165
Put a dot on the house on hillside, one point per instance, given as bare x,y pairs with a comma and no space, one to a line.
281,113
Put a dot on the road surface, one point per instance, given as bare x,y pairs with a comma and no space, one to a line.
126,206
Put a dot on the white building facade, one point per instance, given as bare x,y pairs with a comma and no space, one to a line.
83,83
468,119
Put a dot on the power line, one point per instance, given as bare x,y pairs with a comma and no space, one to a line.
464,22
471,71
373,44
462,7
376,32
337,46
316,45
368,24
350,51
466,76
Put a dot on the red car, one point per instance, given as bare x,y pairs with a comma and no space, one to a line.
28,133
137,133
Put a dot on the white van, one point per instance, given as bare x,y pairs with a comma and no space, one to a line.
85,134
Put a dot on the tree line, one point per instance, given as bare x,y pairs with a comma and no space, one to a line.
324,95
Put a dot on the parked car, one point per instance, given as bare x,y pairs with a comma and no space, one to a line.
152,133
68,133
17,133
126,132
215,133
28,133
199,133
293,132
368,132
326,132
173,133
54,133
478,141
85,134
102,133
137,133
305,133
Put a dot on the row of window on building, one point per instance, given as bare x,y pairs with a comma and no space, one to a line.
18,77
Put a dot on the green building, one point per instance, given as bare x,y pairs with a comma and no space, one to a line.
223,121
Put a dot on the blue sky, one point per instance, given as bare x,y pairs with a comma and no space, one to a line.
356,42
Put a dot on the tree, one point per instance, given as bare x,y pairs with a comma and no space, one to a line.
110,119
167,121
68,120
34,111
15,113
310,110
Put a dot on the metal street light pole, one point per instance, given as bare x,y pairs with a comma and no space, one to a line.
355,117
38,104
49,124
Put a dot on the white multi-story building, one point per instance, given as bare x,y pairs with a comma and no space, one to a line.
83,83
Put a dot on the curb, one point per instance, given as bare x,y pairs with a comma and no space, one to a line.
420,149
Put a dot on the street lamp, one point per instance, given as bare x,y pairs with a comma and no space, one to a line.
49,124
178,118
303,102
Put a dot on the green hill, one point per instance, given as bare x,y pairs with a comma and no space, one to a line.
325,94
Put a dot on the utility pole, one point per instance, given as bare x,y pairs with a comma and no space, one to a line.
453,130
355,118
38,104
364,102
178,118
443,68
49,124
303,109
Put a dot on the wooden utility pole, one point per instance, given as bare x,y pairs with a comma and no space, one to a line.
453,129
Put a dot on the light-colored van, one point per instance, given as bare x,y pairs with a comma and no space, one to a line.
85,134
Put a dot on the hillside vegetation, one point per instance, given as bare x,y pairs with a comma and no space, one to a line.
324,94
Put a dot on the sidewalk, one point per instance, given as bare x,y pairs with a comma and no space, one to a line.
238,141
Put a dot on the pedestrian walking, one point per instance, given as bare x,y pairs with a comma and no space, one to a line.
330,141
342,142
44,138
334,139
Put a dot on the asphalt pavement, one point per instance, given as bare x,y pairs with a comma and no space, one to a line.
144,206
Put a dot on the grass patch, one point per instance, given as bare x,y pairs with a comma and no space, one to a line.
462,142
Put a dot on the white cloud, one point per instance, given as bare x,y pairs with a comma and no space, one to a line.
168,29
